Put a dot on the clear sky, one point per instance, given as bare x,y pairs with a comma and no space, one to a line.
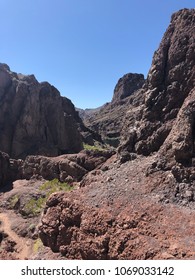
83,47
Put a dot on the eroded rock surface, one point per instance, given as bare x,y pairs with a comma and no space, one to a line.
34,118
107,120
120,215
127,85
170,81
4,168
66,168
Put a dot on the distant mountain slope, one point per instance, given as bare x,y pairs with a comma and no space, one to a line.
107,120
85,113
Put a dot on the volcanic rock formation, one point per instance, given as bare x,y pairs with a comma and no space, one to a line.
34,118
170,81
127,85
66,168
107,120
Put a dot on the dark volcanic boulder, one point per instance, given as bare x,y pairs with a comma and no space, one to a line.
170,81
34,118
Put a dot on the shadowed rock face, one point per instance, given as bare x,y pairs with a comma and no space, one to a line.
170,81
34,118
4,168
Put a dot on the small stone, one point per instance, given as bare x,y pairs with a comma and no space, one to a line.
109,179
188,194
104,168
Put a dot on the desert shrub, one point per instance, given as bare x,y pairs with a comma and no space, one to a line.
14,201
37,245
34,205
92,148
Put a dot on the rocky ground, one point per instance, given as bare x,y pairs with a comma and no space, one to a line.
117,211
19,222
121,213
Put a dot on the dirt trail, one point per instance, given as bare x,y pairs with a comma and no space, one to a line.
23,249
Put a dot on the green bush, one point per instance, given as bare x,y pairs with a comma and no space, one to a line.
92,148
35,205
13,201
54,186
37,245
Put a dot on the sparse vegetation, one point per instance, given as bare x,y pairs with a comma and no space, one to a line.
92,148
37,245
35,205
13,201
54,186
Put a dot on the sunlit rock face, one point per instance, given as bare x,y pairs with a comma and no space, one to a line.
169,89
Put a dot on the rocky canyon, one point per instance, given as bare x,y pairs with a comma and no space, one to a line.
113,183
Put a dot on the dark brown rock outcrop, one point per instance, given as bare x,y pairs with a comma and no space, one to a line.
34,118
170,81
10,169
66,168
107,120
127,85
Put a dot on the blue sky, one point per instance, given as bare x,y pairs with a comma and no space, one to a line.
83,47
